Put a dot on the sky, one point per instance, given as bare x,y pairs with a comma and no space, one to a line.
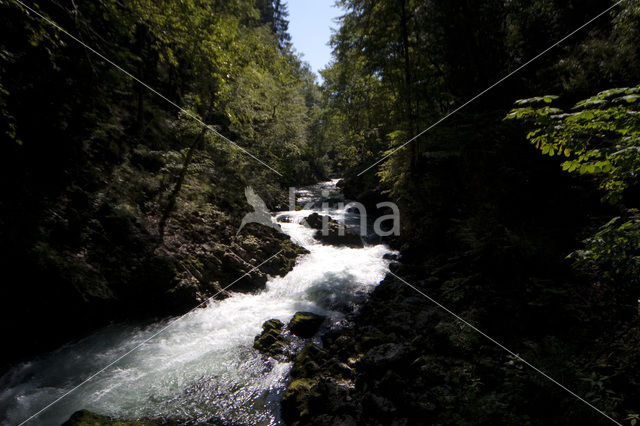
310,23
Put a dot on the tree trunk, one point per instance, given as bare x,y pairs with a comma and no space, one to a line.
408,81
171,202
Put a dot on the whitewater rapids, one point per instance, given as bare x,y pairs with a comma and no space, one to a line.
204,366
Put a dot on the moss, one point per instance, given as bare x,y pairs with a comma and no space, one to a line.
271,341
295,401
196,263
87,418
305,324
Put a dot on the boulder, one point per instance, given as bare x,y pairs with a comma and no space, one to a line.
305,324
391,256
332,235
309,361
271,341
297,399
314,220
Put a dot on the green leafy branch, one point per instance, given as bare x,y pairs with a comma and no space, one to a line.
597,136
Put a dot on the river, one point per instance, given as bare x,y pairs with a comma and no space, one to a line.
204,366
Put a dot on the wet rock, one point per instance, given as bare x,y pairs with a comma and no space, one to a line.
85,418
314,220
375,371
391,256
334,233
253,281
182,297
300,394
308,362
261,242
271,341
307,399
305,324
337,235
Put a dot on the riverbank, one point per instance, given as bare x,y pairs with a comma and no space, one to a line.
126,273
403,360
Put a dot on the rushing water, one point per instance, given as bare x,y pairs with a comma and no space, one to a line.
203,366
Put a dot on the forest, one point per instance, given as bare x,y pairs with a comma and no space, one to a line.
131,128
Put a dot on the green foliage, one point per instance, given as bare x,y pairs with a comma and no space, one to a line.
79,137
600,136
491,219
613,255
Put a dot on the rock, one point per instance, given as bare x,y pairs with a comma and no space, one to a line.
261,242
387,355
391,256
379,405
340,370
271,341
315,220
87,418
331,235
296,399
285,261
253,281
272,324
340,184
371,336
308,361
305,324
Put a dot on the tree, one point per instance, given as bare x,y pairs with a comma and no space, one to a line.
274,13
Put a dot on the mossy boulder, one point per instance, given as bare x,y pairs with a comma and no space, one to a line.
309,362
296,399
271,341
305,324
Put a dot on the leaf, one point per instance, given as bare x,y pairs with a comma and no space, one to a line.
585,115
